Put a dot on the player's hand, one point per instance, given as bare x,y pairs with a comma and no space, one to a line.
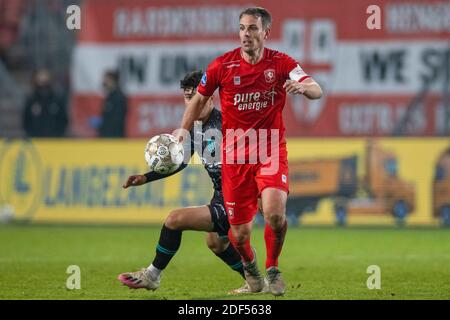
180,134
135,180
294,87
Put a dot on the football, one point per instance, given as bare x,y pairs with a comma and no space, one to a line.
164,154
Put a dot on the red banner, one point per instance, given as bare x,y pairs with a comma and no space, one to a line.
376,82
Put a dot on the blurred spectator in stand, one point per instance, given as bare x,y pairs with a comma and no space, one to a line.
11,12
45,112
113,119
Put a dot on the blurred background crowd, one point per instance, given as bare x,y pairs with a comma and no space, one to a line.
46,69
35,62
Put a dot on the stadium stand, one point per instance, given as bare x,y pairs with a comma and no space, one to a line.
31,37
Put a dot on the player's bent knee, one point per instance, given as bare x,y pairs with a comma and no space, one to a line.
213,243
277,208
241,237
174,220
216,245
275,220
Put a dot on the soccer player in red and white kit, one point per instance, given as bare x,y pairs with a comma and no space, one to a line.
253,82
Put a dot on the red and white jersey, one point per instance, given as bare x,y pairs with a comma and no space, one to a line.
251,95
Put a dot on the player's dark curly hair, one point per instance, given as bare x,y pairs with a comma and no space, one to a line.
257,12
191,79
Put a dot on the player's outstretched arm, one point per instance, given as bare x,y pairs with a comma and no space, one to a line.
307,87
192,112
140,179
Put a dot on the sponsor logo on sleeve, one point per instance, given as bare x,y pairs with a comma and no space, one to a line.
203,82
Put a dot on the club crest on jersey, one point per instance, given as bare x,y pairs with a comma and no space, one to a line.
269,74
237,80
230,212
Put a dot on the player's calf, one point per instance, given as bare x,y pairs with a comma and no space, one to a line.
223,249
239,235
252,275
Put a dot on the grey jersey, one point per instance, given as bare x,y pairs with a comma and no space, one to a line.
203,141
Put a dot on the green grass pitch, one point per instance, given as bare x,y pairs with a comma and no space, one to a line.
317,263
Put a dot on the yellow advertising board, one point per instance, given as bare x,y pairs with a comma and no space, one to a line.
387,172
80,181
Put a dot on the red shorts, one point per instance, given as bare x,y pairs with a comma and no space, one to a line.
242,185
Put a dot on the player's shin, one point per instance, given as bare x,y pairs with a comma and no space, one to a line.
169,242
242,246
274,242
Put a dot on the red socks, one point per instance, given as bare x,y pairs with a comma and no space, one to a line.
274,243
244,249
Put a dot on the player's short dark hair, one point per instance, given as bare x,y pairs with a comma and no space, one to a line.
258,12
191,79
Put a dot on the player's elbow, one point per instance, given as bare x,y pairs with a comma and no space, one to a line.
197,103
